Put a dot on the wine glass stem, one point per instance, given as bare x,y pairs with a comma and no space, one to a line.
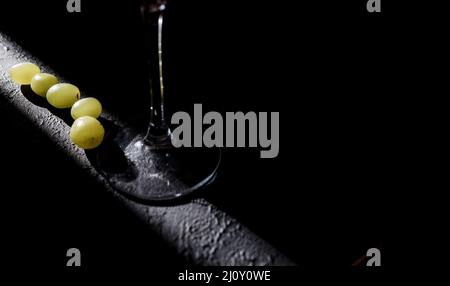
158,133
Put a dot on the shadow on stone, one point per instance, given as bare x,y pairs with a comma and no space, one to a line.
109,159
29,94
64,114
111,129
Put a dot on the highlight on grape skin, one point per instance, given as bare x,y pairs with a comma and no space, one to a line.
88,106
87,132
23,73
63,95
42,82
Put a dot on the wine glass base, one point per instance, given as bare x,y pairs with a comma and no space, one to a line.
163,174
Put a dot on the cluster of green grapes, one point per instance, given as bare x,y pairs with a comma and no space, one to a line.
86,132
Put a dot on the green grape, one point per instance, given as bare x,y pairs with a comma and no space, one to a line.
41,82
88,106
63,95
23,73
87,132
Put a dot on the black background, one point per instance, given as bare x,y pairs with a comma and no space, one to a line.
329,67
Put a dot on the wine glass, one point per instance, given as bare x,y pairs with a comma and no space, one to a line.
157,170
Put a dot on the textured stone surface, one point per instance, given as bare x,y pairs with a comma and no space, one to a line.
199,231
